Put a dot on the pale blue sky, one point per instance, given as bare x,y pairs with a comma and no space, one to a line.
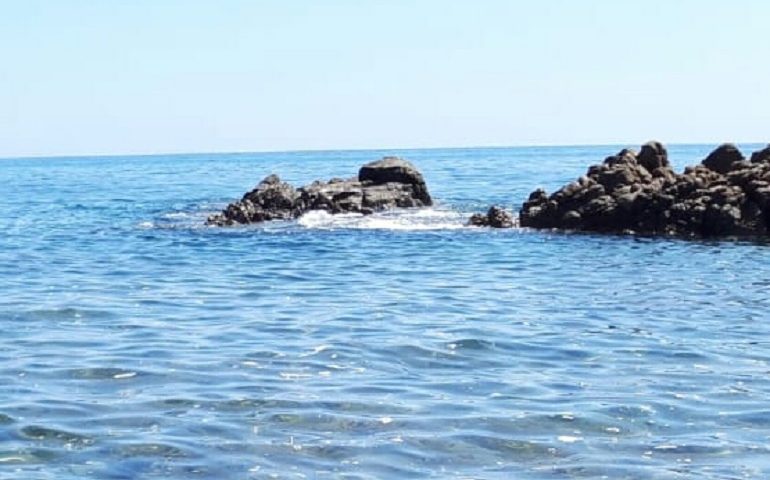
148,76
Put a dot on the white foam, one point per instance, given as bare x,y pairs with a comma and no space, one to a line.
174,215
417,219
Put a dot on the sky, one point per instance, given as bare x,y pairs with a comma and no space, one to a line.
94,77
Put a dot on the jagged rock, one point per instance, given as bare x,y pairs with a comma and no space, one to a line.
384,184
761,156
496,217
722,159
653,156
270,200
725,195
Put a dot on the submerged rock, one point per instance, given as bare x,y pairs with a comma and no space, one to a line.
496,217
640,193
384,184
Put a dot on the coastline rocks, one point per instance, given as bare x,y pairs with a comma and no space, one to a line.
640,193
496,217
383,184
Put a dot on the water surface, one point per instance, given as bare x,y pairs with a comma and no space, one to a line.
139,344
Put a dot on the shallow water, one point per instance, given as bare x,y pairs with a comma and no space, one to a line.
139,344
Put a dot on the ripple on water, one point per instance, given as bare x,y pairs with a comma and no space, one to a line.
53,435
23,456
151,450
64,314
102,373
139,343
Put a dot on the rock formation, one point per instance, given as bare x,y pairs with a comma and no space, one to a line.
640,193
496,217
384,184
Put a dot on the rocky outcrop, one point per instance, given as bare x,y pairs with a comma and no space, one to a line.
640,193
762,156
384,184
496,217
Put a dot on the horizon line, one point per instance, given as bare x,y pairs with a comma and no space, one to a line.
366,149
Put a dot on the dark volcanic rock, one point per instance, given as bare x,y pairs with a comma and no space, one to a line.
722,159
272,199
653,155
762,156
384,184
726,195
496,217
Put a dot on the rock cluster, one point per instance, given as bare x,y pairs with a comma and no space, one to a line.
384,184
640,193
496,217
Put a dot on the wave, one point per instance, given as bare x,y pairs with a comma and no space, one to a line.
435,218
408,219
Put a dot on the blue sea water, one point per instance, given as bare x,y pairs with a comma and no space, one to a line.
136,343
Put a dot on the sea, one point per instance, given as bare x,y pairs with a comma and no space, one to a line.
138,343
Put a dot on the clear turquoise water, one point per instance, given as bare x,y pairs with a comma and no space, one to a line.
138,344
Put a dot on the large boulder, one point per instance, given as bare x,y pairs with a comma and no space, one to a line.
725,195
384,184
652,156
382,178
390,170
723,159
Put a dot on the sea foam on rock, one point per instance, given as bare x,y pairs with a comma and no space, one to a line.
383,184
640,193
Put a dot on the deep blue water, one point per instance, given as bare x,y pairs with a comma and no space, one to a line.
138,344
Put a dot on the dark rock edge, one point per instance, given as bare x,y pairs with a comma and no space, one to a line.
639,193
